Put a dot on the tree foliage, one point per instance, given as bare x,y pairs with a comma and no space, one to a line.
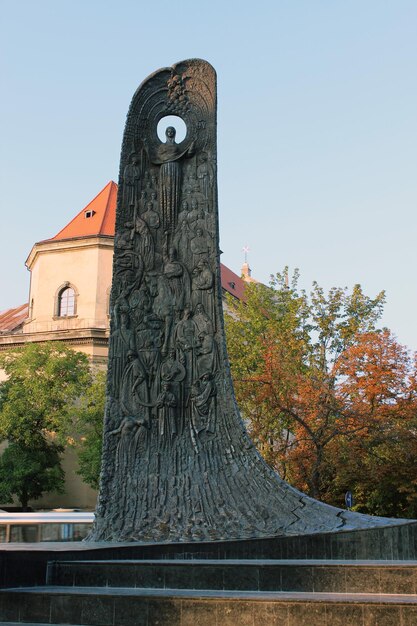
37,405
89,428
28,472
328,397
378,383
39,395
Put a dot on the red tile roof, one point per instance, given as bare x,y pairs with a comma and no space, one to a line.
11,319
231,282
97,218
102,222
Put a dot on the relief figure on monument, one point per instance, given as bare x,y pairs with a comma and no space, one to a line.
202,287
169,156
142,201
193,215
201,221
154,200
178,279
206,354
164,308
192,188
130,431
151,217
153,220
200,246
128,264
123,342
140,304
148,188
203,402
166,404
122,299
173,372
148,346
143,241
202,320
131,447
186,341
183,234
210,219
205,175
131,178
134,390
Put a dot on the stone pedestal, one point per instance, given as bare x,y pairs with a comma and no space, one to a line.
108,585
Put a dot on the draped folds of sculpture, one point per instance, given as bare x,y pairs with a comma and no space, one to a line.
177,463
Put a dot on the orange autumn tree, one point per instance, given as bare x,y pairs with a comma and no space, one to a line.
289,354
378,386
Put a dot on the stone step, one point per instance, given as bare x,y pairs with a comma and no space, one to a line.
252,575
152,607
33,624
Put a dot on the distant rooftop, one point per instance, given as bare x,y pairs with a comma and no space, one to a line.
12,319
231,282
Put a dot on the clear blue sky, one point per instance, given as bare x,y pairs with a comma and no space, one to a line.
317,133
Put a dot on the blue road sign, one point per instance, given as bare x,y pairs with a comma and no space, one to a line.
348,499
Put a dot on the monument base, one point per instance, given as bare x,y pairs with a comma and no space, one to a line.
354,577
26,564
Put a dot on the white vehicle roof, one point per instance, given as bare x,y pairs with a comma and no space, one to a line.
57,517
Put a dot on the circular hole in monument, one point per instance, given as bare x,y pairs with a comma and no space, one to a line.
176,122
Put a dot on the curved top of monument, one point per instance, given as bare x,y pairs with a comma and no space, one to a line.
187,89
178,67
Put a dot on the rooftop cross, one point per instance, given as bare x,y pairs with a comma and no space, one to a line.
246,249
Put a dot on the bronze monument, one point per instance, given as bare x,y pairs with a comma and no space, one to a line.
178,464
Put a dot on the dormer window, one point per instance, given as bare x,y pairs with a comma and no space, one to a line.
232,285
89,213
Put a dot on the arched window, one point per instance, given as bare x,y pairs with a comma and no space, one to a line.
66,302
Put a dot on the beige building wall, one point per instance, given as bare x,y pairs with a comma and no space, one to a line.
85,264
77,494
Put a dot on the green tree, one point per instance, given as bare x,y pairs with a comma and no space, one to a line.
89,428
27,472
37,406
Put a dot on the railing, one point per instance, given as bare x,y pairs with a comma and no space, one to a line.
50,526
